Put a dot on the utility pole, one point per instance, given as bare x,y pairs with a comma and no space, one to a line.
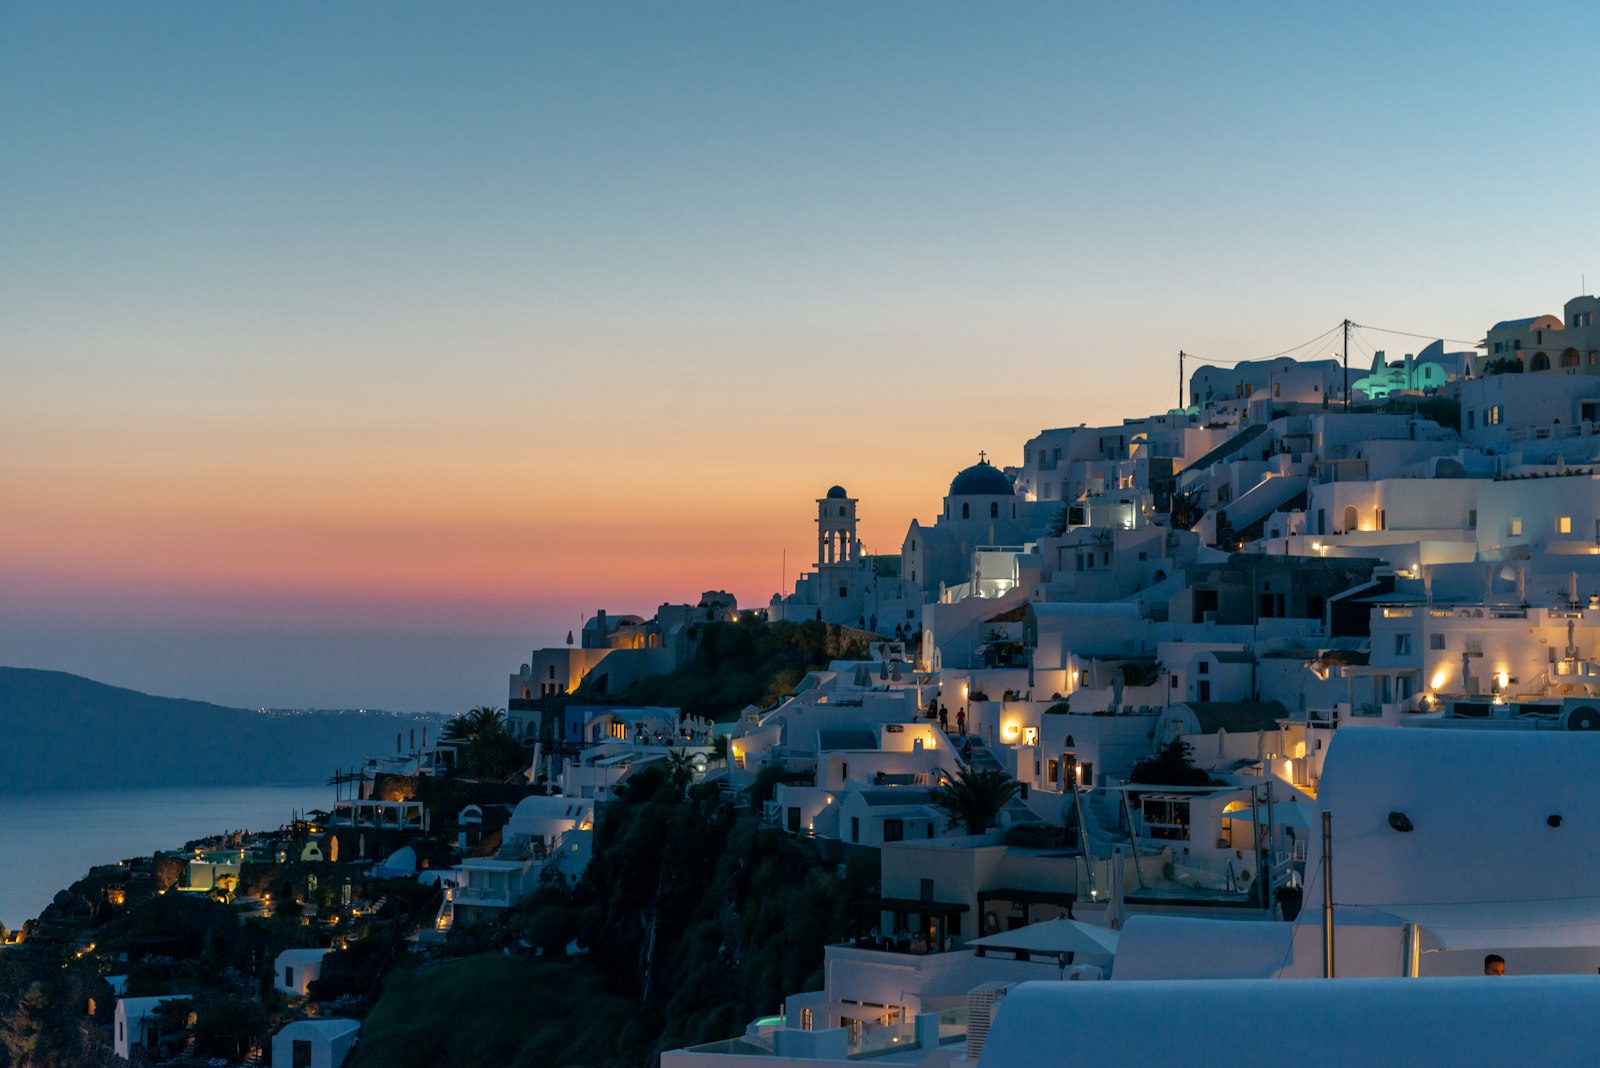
1347,365
1328,971
1180,380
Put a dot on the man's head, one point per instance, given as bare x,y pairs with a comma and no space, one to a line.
1494,964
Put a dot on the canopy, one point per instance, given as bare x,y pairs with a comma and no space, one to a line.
1548,924
1283,815
1054,936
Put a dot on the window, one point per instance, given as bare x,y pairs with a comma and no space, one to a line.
1492,415
855,828
1472,419
1472,518
994,510
288,978
1402,645
1515,528
1204,668
966,511
1563,524
844,591
1436,641
925,889
894,830
301,1054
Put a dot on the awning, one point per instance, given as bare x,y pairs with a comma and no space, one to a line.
1489,925
1054,936
1282,815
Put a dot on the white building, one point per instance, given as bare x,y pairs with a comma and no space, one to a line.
134,1023
320,1043
296,969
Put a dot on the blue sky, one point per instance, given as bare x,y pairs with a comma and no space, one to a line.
412,321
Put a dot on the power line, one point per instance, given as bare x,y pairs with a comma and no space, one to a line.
1425,337
1247,359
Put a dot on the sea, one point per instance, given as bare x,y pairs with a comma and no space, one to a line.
49,840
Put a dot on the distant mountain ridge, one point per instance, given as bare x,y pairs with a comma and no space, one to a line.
62,731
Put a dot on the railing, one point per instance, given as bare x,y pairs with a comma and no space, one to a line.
484,895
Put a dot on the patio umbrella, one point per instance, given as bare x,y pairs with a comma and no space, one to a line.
1054,936
1115,915
1285,815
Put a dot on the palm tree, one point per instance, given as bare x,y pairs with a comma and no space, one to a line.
486,719
975,798
458,729
680,770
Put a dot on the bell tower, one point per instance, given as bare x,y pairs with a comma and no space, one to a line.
836,528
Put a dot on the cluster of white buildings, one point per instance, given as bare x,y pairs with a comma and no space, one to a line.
1265,576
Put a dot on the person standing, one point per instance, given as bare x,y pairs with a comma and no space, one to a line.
961,721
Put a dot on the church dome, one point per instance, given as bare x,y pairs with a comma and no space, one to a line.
837,493
982,479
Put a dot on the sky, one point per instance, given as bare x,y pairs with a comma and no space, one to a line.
350,352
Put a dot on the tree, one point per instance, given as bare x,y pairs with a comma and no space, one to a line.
486,719
1169,765
975,798
680,771
1059,525
27,1025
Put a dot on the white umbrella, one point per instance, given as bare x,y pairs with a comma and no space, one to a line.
1115,914
1054,936
1285,815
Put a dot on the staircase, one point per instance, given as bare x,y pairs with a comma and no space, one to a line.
982,758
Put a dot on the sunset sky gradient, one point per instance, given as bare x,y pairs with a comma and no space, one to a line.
348,352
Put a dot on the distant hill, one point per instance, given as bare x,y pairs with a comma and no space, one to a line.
60,731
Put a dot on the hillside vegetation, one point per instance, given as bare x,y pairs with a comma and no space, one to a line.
693,919
748,662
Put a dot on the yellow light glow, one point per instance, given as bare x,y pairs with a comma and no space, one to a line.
1504,679
1439,678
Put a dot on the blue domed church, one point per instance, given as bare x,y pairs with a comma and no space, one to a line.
982,509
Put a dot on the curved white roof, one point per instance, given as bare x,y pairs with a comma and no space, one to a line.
1481,806
1337,1022
1190,947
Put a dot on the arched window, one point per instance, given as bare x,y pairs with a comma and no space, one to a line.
1569,358
966,511
994,510
1540,362
1349,519
841,511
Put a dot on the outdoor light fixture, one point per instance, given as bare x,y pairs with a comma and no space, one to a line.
1400,822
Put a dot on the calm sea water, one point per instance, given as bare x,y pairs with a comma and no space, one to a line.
49,840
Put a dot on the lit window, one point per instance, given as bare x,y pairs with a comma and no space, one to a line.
1516,528
1563,524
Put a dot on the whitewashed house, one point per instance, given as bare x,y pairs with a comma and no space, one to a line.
134,1023
296,969
320,1043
